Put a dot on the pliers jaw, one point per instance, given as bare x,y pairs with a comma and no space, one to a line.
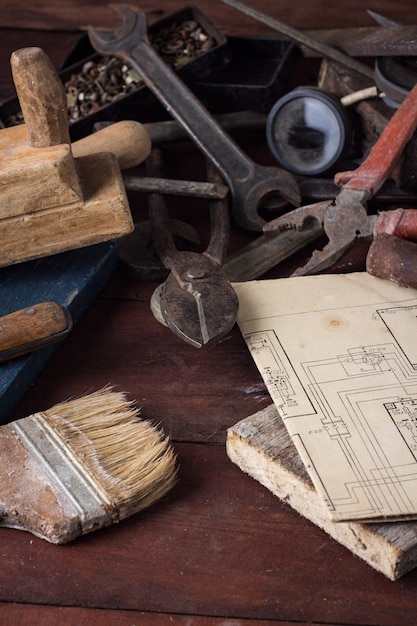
199,304
196,302
345,221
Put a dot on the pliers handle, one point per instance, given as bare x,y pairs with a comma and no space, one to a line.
345,220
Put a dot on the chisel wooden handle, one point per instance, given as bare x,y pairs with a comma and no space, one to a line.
128,140
32,328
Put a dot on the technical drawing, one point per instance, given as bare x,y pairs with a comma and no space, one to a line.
352,413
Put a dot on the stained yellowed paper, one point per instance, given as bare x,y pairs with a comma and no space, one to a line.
338,354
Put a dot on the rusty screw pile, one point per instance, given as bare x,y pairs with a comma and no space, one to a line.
105,79
98,84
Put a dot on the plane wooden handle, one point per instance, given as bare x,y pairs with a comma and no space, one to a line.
42,97
32,328
128,140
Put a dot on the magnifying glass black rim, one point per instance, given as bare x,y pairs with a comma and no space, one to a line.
340,115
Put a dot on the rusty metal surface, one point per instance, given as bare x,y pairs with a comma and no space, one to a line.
195,189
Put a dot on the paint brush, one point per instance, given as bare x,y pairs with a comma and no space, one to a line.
81,465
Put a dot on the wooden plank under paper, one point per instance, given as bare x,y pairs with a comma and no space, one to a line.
261,447
73,279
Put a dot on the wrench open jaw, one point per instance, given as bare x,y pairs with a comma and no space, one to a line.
345,220
251,184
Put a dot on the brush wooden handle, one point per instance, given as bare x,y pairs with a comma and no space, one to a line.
128,140
32,328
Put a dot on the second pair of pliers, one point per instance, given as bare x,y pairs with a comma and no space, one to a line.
196,302
345,220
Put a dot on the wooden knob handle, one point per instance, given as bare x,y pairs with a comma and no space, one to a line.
42,98
127,140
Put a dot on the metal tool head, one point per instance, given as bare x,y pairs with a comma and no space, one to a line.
197,302
383,20
250,183
134,24
299,219
344,221
268,186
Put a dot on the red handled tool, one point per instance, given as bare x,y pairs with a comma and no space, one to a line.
345,220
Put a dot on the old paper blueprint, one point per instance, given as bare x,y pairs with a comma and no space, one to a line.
338,354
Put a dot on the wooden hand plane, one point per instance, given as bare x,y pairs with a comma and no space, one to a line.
51,201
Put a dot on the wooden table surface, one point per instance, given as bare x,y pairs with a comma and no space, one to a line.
219,549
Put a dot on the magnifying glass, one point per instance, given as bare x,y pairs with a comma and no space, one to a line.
309,131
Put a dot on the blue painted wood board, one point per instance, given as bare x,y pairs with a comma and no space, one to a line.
71,278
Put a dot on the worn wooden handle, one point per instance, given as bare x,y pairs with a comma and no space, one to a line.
128,140
374,170
42,98
32,328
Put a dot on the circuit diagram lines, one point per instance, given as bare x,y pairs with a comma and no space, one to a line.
395,319
284,386
359,405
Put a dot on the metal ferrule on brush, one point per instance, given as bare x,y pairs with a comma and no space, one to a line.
66,475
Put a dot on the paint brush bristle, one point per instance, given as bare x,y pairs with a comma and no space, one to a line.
95,460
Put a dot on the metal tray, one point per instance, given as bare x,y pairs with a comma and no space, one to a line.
140,104
257,74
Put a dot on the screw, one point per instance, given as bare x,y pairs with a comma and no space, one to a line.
195,273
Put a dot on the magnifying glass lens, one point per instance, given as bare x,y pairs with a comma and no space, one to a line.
308,131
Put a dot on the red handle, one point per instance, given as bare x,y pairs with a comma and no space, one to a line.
399,222
374,171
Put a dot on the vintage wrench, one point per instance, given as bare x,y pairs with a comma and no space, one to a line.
249,182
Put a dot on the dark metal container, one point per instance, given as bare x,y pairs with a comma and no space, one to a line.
257,74
140,104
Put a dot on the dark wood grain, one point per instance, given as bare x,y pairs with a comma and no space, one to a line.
218,545
33,615
220,549
120,343
72,14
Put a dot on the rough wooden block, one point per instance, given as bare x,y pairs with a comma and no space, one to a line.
34,179
102,215
51,202
261,447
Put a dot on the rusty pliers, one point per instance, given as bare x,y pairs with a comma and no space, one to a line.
197,302
345,220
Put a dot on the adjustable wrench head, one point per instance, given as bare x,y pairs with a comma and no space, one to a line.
134,26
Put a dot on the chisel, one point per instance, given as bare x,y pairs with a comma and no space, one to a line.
32,328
